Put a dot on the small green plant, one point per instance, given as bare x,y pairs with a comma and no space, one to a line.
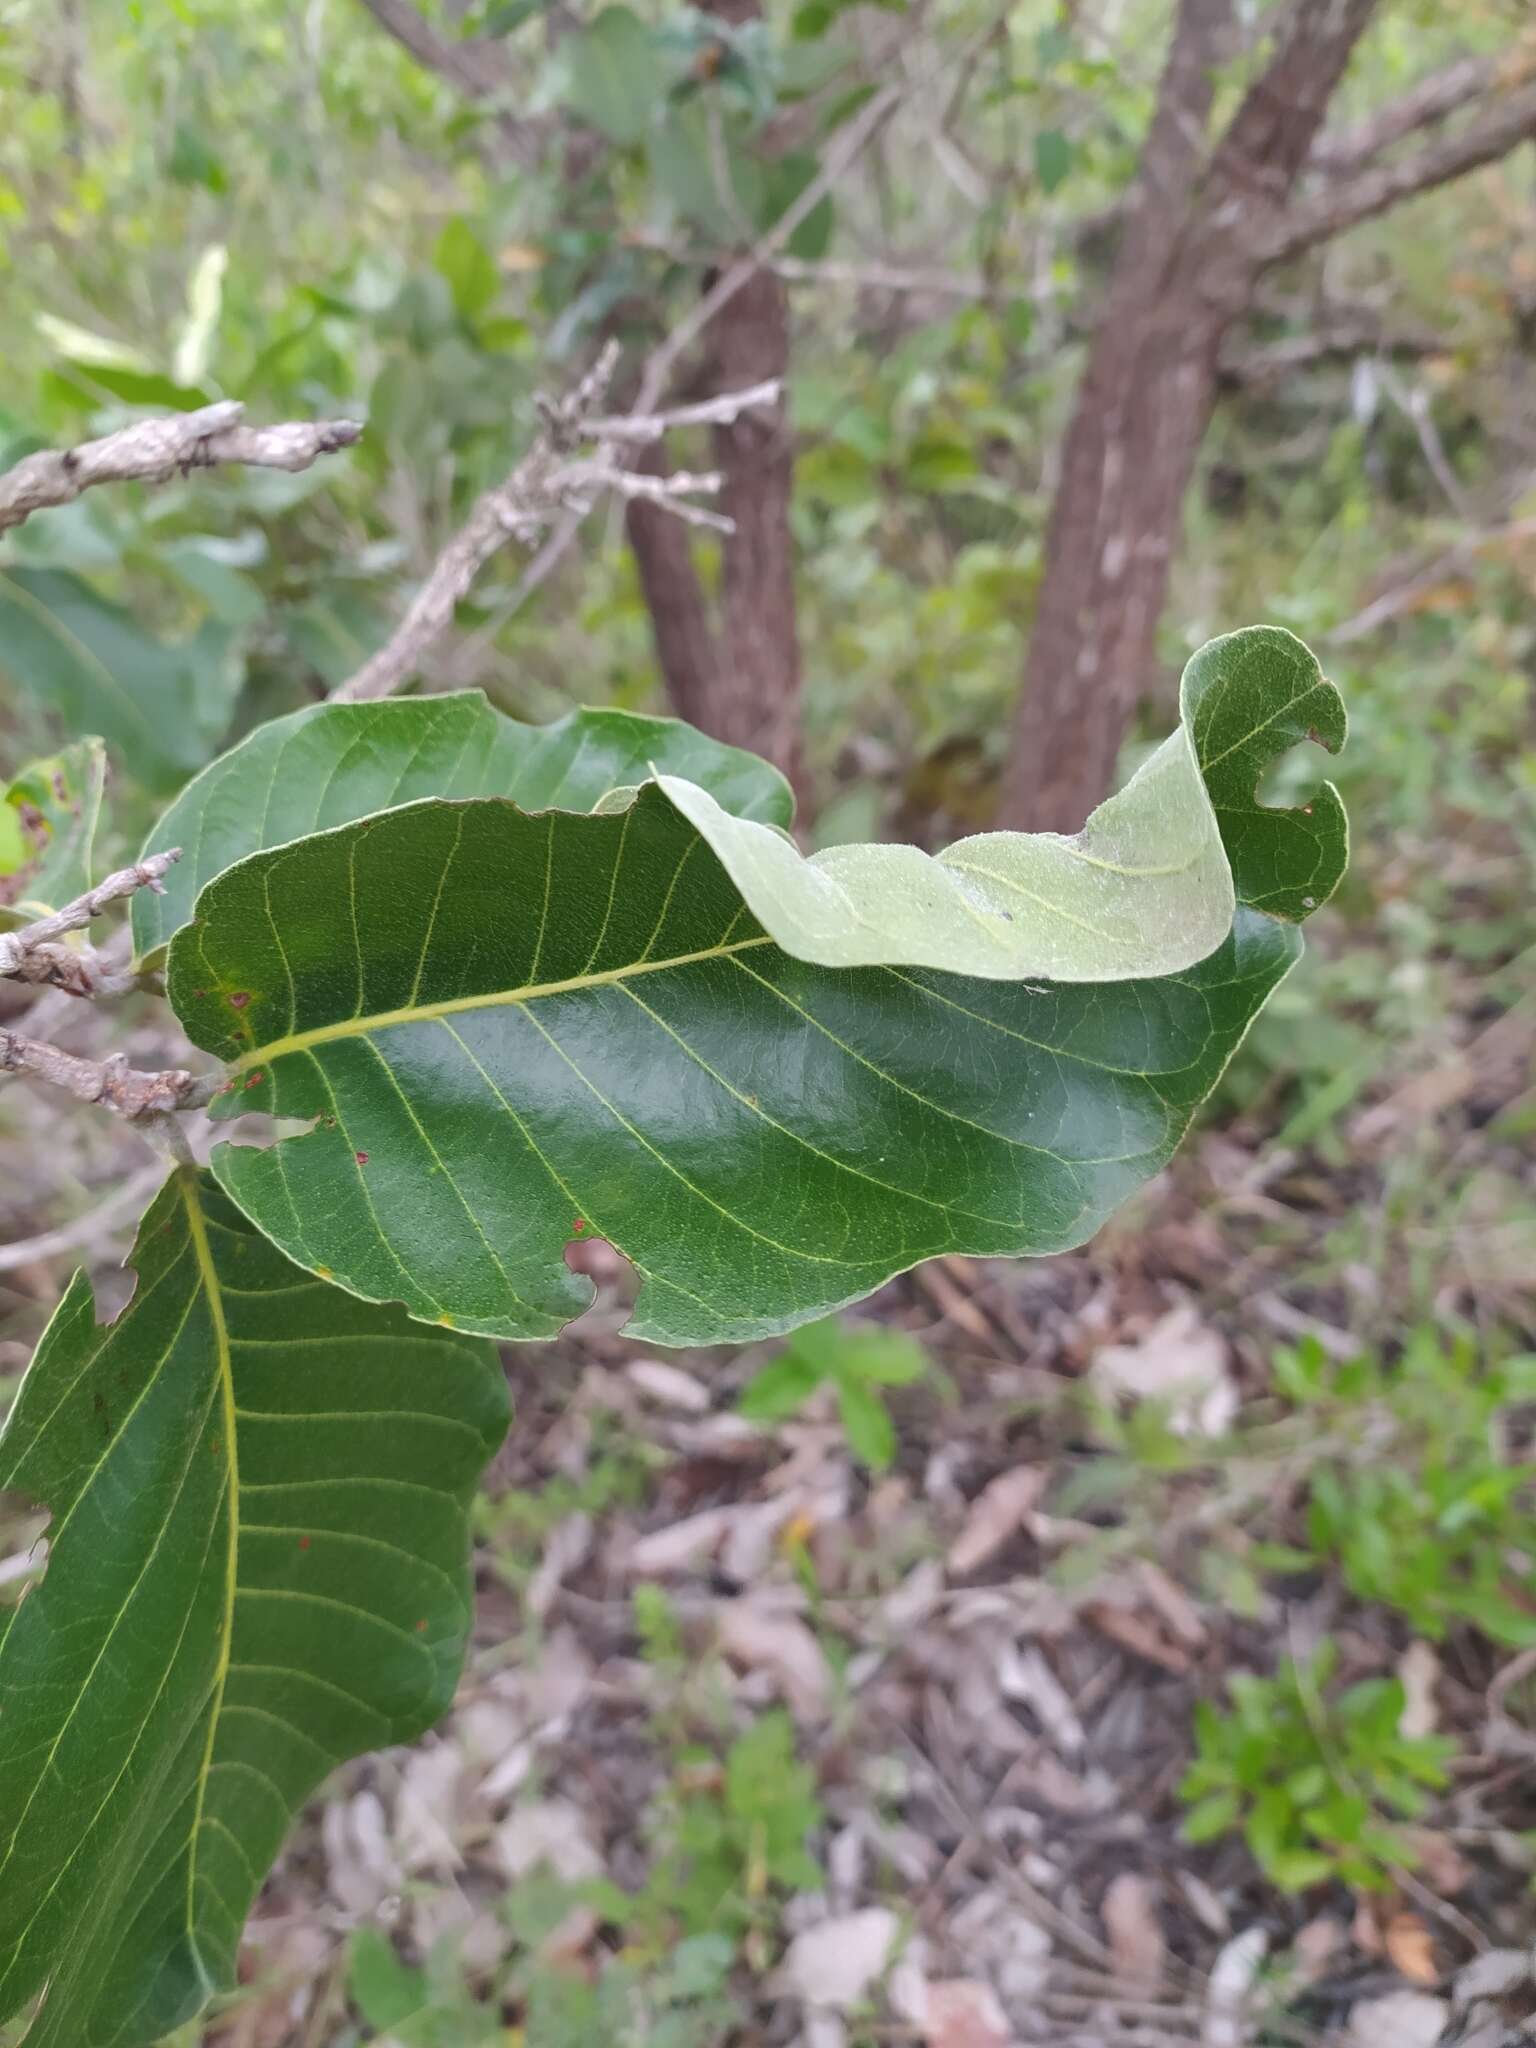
855,1361
1438,1522
1307,1780
735,1839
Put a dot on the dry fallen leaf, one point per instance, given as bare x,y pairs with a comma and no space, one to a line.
669,1385
1403,2019
552,1831
1411,1946
1227,1988
1181,1362
994,1515
1418,1669
768,1639
836,1962
1135,1936
961,2012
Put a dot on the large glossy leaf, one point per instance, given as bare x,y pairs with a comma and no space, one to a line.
331,763
48,819
162,705
258,1567
511,1031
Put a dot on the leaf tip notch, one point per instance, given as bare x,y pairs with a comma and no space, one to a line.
1247,698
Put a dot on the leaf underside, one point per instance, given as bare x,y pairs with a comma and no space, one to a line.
331,763
259,1566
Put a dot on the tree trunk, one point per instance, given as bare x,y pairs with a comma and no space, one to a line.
738,680
1192,252
756,700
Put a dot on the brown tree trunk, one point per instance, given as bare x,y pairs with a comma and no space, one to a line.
756,700
738,680
1191,254
686,650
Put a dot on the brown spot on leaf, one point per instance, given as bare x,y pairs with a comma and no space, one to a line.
239,999
361,1158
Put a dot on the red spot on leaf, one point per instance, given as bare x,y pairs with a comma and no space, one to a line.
256,1080
579,1224
303,1543
361,1158
239,999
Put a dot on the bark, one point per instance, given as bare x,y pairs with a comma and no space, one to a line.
739,679
1190,258
756,699
676,600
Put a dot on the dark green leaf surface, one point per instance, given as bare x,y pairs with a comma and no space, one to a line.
163,706
514,1031
331,763
258,1567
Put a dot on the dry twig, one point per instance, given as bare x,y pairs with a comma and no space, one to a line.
549,481
153,451
34,954
111,1082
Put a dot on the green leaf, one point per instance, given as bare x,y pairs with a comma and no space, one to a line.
48,819
1284,861
1214,1815
258,1567
331,763
162,706
511,1030
616,76
469,268
866,1423
1053,158
784,1384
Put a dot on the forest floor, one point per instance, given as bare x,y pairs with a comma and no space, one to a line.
760,1744
865,1715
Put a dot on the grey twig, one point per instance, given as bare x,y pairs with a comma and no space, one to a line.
110,1082
551,484
34,953
153,451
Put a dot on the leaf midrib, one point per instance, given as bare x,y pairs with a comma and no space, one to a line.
360,1026
202,1251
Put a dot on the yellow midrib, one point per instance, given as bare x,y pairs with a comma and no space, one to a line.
203,1254
419,1013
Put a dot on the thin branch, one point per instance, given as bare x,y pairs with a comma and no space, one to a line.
476,66
154,451
546,484
848,145
1508,122
709,412
111,1082
34,954
1432,100
1257,368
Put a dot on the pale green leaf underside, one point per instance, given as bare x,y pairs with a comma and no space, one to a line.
259,1489
1144,889
331,763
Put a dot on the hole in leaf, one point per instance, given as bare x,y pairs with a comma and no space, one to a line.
1293,778
23,1546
